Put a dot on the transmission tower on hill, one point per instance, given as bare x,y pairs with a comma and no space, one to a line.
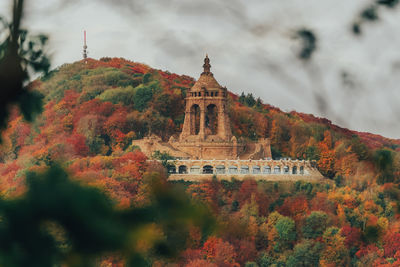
85,52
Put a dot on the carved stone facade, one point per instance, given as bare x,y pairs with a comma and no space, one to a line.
206,118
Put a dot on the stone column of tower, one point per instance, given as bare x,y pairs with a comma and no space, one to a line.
202,132
188,124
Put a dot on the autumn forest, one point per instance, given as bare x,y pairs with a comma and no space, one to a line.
92,111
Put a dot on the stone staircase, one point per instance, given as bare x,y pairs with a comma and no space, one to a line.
253,151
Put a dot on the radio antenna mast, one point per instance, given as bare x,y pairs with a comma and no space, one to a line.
85,52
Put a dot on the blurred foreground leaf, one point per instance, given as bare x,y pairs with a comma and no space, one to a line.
20,55
59,221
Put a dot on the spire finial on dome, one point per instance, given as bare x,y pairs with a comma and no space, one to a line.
207,66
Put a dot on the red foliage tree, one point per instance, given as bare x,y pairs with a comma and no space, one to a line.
295,207
78,142
245,251
391,244
247,189
367,250
200,263
219,252
352,235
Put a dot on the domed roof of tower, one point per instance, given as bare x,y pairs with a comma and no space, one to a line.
206,79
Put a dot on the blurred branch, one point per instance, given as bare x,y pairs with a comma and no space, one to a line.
309,43
20,54
371,14
308,47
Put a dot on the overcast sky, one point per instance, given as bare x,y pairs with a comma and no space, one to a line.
251,47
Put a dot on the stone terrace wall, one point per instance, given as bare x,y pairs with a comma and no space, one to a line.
228,177
272,170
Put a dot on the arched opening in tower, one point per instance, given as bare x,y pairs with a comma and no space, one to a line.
212,120
195,120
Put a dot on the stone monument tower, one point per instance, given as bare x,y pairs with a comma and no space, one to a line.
206,132
206,117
